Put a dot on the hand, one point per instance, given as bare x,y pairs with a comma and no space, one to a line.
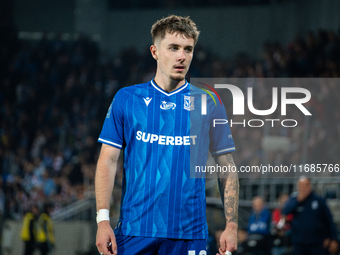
333,246
228,241
105,236
302,195
326,243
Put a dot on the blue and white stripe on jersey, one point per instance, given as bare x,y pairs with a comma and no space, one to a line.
154,129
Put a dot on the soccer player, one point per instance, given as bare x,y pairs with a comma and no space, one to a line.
162,208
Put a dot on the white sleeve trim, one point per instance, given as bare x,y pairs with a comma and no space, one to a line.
109,142
224,150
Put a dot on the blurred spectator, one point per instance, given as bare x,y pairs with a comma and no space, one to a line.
28,231
281,227
313,229
45,235
259,238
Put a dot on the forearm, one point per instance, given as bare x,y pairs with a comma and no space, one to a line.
290,206
104,180
229,191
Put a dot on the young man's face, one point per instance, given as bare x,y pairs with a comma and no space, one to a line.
174,54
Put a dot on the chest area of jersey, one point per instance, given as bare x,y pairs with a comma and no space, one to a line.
152,110
162,120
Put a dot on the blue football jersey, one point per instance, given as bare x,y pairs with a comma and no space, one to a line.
159,133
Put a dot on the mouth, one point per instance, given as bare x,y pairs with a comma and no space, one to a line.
179,68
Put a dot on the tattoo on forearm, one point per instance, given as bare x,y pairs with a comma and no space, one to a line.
229,191
230,159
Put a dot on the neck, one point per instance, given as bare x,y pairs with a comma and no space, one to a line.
168,84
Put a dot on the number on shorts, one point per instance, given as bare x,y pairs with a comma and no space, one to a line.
202,252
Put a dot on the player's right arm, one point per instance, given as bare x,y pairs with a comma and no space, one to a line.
104,182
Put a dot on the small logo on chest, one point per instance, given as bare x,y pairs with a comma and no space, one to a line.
167,105
147,100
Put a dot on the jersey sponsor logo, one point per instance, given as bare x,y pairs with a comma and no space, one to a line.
165,139
167,105
147,100
189,103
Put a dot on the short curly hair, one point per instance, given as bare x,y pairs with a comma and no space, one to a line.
173,24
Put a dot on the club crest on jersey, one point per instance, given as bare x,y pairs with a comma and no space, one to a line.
315,205
167,105
189,103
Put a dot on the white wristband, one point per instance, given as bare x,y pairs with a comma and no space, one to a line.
103,214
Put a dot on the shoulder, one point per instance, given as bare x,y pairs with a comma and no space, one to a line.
316,201
276,211
29,215
314,196
132,90
266,212
294,195
252,216
319,199
213,100
194,90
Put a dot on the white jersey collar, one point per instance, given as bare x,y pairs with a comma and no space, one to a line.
167,93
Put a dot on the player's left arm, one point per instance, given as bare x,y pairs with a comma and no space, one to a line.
229,190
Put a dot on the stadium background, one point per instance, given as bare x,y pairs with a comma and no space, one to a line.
61,63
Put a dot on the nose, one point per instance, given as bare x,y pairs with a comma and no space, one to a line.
181,56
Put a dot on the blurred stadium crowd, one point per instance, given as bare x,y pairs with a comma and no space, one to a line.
54,96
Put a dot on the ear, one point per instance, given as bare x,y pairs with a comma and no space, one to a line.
153,49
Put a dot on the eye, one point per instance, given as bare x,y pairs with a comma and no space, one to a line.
188,50
173,48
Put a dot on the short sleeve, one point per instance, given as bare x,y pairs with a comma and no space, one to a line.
221,140
113,128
